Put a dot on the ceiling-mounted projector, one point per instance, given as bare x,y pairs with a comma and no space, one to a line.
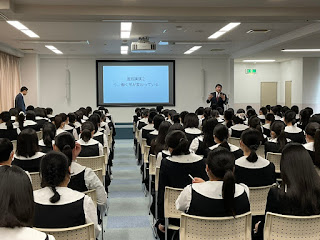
143,46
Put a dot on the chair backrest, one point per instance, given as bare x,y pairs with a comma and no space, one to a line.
143,143
170,197
36,180
106,155
110,139
146,153
93,194
258,199
275,158
280,227
93,162
83,232
14,143
234,141
214,228
39,134
156,179
152,164
98,172
260,151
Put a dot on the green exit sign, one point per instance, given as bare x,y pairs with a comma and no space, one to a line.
251,71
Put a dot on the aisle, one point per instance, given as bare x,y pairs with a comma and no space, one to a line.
128,217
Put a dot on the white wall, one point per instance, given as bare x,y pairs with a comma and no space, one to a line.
190,92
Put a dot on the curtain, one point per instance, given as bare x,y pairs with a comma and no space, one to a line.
9,80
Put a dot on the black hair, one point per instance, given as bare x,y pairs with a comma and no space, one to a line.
30,107
278,128
251,139
313,130
238,118
6,117
270,117
54,168
178,141
14,112
72,118
145,113
276,110
232,110
220,110
58,121
63,116
218,85
95,119
86,130
16,198
221,164
315,118
49,111
40,112
295,108
228,118
215,114
97,112
159,142
290,117
6,149
176,118
157,120
300,181
200,111
304,118
183,115
30,115
27,143
49,132
176,126
248,107
152,114
310,110
264,110
65,142
159,108
222,133
23,89
88,110
207,129
207,113
20,119
241,110
284,109
251,113
255,123
268,107
191,120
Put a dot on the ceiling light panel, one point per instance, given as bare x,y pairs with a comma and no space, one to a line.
53,49
30,33
300,50
191,50
259,60
18,25
126,26
224,30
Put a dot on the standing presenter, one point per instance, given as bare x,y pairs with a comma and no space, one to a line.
217,98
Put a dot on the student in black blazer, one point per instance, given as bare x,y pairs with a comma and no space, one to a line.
293,132
19,100
217,98
278,139
313,143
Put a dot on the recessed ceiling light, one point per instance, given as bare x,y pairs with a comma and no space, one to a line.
124,49
126,26
125,34
300,50
191,50
30,33
216,35
53,49
224,30
18,25
259,60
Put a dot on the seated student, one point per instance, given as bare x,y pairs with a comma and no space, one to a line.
157,120
74,123
239,126
89,146
228,115
48,134
171,113
268,122
218,197
255,123
278,139
144,119
98,135
293,132
14,112
149,127
41,116
30,121
59,123
251,169
221,134
191,123
276,110
28,155
299,194
200,113
199,145
313,141
175,169
56,205
206,114
183,114
82,178
158,144
67,127
137,117
304,118
7,130
49,112
262,114
17,206
295,108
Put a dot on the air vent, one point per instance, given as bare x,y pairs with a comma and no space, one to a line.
217,50
259,30
4,17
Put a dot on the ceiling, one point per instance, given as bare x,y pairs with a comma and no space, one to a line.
292,23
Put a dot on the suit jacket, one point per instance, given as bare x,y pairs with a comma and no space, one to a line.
214,103
19,103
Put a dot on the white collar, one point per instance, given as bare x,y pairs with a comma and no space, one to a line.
89,143
292,129
309,146
239,127
233,148
190,158
192,130
35,156
154,132
260,163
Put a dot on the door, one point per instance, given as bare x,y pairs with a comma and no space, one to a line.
288,93
268,93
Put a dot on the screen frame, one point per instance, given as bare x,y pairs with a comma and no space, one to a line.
136,104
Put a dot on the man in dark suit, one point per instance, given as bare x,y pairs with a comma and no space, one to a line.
217,98
19,101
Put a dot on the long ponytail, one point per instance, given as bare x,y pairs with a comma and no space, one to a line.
178,141
251,139
21,120
228,190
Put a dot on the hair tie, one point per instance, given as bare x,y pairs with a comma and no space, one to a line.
254,147
181,139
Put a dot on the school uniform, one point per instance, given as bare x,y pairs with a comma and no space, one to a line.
205,199
73,209
142,122
11,133
276,117
197,146
259,173
310,148
71,130
262,118
146,130
23,233
77,126
236,151
266,129
44,148
272,146
31,124
91,148
236,130
162,155
59,130
295,133
152,135
30,164
192,133
41,120
174,172
101,138
84,179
